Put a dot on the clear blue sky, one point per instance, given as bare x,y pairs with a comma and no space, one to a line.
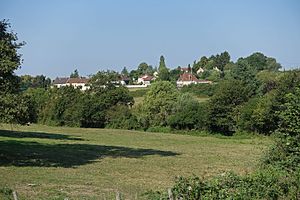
91,35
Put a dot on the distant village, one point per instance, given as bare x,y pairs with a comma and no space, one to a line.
186,77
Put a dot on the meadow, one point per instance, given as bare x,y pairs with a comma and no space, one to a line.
42,162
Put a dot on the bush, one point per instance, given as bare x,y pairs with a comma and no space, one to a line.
200,90
6,193
188,114
63,107
270,183
285,154
120,117
158,104
223,106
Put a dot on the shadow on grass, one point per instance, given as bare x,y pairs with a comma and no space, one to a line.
19,134
20,153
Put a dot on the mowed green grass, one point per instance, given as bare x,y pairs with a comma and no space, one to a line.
41,162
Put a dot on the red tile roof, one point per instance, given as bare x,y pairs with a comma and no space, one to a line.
188,77
147,77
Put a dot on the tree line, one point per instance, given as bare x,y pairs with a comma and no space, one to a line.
247,95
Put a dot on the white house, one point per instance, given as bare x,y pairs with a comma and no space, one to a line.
145,79
124,80
60,82
81,83
200,70
216,69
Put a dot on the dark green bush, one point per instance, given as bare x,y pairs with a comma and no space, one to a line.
200,90
269,183
6,193
188,114
120,117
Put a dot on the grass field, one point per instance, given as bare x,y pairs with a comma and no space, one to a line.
42,162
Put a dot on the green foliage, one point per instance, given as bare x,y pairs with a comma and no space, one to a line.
261,62
144,68
120,117
6,193
259,114
94,112
68,106
200,90
244,72
64,107
10,59
187,113
245,120
158,103
285,153
269,80
201,63
174,74
103,79
223,106
221,61
125,72
279,176
264,115
163,72
162,63
269,183
214,75
37,102
39,81
74,74
12,107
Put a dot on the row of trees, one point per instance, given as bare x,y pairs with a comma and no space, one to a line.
68,106
246,99
248,96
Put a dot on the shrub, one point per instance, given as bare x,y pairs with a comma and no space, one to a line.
158,104
200,89
120,117
6,193
286,152
188,113
222,106
269,183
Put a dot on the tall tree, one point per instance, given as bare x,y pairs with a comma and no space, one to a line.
125,72
222,106
12,107
201,63
162,63
163,72
159,102
10,59
74,74
221,61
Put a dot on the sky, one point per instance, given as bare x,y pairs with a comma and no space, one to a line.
93,35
